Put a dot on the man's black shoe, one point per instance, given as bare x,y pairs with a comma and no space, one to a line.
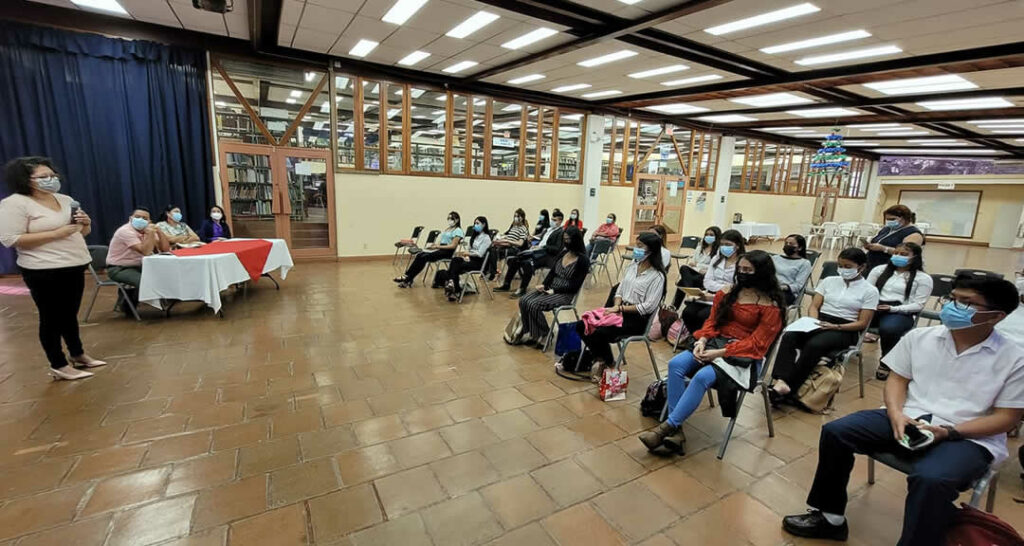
814,525
502,288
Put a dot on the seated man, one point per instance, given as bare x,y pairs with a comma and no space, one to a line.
542,255
130,243
963,382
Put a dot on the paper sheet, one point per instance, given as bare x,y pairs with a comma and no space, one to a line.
803,324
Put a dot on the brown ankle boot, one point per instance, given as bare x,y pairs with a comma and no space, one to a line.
675,442
653,439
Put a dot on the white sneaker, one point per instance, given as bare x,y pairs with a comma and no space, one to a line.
86,361
69,373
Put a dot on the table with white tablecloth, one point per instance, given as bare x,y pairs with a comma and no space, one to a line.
202,278
756,229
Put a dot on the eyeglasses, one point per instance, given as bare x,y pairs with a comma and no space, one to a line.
963,306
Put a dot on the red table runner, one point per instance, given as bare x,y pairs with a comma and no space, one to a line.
252,254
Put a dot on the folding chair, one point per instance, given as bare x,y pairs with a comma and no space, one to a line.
626,341
762,374
436,266
554,317
98,253
989,481
472,276
599,259
405,244
690,242
978,273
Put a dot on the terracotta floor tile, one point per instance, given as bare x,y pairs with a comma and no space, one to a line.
530,535
505,399
514,456
518,501
202,472
143,409
34,478
302,481
407,531
781,495
87,532
427,418
379,429
468,408
243,392
266,406
750,459
408,491
679,490
367,463
557,442
584,403
780,446
211,537
151,429
229,502
152,523
360,389
89,440
284,425
282,527
635,511
747,520
392,402
549,413
510,424
127,489
719,476
346,412
628,418
179,447
463,521
596,430
267,456
610,464
580,525
468,435
320,396
321,443
540,390
468,386
566,482
436,393
465,472
658,540
342,512
27,514
243,434
420,449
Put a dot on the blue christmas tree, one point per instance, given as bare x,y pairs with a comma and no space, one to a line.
831,163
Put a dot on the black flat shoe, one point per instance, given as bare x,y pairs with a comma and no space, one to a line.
882,373
814,525
503,289
399,280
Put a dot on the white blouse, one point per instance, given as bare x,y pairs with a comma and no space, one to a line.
717,276
645,290
895,289
846,300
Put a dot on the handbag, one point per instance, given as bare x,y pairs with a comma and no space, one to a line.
655,332
613,385
972,527
818,392
568,339
654,399
677,332
514,330
666,318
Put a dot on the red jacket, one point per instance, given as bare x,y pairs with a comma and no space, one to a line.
753,326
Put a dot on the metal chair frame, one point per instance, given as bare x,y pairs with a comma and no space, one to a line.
571,306
988,481
471,277
401,248
599,259
101,259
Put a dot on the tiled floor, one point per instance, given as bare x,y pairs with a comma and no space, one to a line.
345,411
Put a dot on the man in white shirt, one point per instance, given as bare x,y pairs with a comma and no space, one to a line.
963,382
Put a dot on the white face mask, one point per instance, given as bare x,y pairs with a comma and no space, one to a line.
848,273
451,223
216,216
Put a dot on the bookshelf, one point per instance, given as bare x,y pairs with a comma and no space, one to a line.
250,186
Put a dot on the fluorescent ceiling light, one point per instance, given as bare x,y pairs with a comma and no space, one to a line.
848,55
1002,126
783,129
102,5
413,58
764,19
659,71
416,93
677,108
290,101
630,2
597,94
325,107
823,112
695,79
476,22
310,76
529,38
727,118
1018,140
772,99
871,126
859,143
220,104
479,102
933,151
512,108
295,93
402,11
609,58
937,143
573,87
1015,131
994,121
460,66
910,86
571,116
820,40
441,97
526,79
965,104
437,113
362,48
903,133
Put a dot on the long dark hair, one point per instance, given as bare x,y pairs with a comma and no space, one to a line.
575,244
485,231
718,238
734,237
577,222
520,213
653,244
168,209
458,219
18,172
915,264
223,217
545,222
764,281
801,244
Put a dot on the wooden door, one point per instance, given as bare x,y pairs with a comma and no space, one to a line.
306,193
251,186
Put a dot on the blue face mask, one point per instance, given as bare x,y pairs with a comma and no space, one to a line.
954,318
892,224
639,254
608,220
540,219
899,261
176,216
139,223
709,239
727,251
478,227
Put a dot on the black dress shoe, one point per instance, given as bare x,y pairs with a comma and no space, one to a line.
814,525
502,288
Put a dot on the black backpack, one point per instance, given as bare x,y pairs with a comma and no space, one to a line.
572,366
654,399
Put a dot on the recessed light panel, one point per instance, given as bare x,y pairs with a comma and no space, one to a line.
568,88
103,5
764,19
727,118
695,79
1001,121
476,22
932,151
413,58
872,126
819,41
609,58
849,55
966,104
402,11
771,99
526,79
659,71
362,48
597,94
823,112
930,84
529,38
677,108
460,66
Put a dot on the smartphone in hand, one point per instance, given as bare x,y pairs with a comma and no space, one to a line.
916,439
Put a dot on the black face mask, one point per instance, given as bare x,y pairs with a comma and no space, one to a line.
790,250
744,279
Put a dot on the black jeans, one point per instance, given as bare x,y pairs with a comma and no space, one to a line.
694,315
794,369
940,472
58,295
458,266
600,340
525,263
423,258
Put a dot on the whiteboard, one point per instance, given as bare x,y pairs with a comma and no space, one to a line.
950,213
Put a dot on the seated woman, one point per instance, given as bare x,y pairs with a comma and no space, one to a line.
843,305
543,223
608,230
175,231
468,260
666,254
691,273
444,248
792,267
562,283
719,275
638,295
215,227
512,241
749,315
574,220
903,289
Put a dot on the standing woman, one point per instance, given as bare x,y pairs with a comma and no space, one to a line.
176,232
444,248
899,228
470,260
562,283
903,289
52,256
720,274
792,267
215,227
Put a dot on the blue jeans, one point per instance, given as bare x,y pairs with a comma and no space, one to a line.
940,472
684,397
891,328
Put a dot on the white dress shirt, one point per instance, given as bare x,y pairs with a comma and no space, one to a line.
895,289
717,276
956,388
1012,327
645,290
846,300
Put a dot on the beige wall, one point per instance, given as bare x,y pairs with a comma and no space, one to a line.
788,211
993,197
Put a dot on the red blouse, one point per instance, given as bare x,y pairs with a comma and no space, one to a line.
753,326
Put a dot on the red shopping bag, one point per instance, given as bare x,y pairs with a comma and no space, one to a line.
613,385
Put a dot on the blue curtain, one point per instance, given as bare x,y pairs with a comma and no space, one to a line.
125,121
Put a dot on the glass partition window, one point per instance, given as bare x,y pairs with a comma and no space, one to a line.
276,93
427,113
395,115
459,137
479,127
233,121
546,142
314,130
506,129
530,171
607,146
570,137
344,100
371,124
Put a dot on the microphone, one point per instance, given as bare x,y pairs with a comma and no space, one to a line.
74,209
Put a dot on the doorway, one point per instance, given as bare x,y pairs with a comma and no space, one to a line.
659,199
